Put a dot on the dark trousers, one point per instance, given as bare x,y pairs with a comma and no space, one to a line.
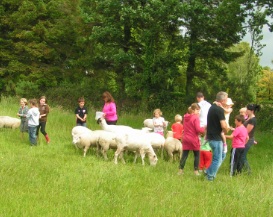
236,163
185,156
111,122
42,126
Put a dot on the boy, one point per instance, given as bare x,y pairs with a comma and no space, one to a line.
33,116
81,113
239,139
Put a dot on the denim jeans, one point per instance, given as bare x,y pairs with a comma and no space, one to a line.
32,135
244,157
217,158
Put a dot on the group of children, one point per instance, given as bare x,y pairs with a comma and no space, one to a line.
34,118
239,137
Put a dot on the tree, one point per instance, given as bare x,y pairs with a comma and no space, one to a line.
265,85
243,75
38,42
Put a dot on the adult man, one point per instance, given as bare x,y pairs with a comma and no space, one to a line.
204,108
215,125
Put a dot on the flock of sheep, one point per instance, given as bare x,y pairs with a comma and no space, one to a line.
122,138
118,137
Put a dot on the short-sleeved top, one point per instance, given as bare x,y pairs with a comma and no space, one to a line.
251,121
159,121
177,129
81,112
204,108
239,137
214,129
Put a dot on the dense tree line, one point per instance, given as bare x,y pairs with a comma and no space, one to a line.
147,53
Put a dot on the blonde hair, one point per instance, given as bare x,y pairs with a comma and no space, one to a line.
243,110
24,100
178,118
158,111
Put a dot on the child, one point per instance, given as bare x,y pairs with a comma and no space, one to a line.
158,122
44,110
227,110
33,116
81,113
22,113
242,111
177,127
205,156
239,139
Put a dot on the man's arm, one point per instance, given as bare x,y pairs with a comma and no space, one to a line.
224,126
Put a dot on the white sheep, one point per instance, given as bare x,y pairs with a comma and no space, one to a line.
157,142
172,146
85,141
9,122
113,128
149,123
77,130
139,143
106,141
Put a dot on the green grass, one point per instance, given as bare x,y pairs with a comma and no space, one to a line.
55,179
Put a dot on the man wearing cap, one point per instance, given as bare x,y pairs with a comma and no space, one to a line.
216,123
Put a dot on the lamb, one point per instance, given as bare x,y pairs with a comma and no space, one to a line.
9,122
172,146
149,123
138,142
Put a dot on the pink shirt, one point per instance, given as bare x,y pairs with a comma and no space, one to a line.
110,111
239,137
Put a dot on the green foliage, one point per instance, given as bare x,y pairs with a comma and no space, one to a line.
27,89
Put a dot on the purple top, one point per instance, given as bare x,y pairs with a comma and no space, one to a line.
110,111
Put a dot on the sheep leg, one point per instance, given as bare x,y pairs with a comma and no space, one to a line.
142,154
162,150
104,153
85,150
117,153
136,155
171,156
121,157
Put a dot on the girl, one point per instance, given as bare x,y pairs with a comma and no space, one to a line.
109,109
22,113
158,122
191,141
44,110
239,139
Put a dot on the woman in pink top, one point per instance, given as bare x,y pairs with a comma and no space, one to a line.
239,139
109,109
190,139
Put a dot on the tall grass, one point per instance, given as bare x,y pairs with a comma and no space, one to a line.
55,180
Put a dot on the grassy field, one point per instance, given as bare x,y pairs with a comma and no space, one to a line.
55,180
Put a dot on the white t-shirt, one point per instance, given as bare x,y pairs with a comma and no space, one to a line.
204,109
158,121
